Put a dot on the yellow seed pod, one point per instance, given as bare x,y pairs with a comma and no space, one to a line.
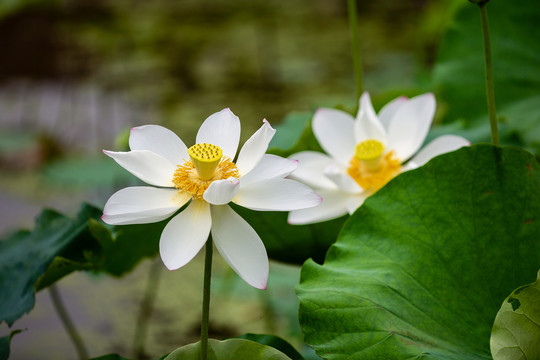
205,157
370,153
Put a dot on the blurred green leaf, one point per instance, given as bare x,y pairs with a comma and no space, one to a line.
459,71
516,331
58,246
25,256
275,342
4,344
227,350
110,357
417,270
294,134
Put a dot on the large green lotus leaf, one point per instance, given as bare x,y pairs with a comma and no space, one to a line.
25,256
276,342
420,269
516,331
228,350
5,343
459,70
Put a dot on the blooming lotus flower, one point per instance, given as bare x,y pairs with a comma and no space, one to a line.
365,153
206,174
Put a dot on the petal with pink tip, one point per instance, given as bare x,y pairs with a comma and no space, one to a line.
142,205
276,195
270,167
240,246
148,166
254,148
159,140
334,129
440,145
185,234
333,205
367,125
221,129
410,124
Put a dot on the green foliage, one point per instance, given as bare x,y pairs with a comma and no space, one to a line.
4,344
416,271
459,72
275,342
110,357
228,349
25,256
58,245
516,331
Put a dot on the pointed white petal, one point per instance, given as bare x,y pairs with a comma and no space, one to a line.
387,112
276,195
367,125
410,125
310,169
221,192
240,246
221,129
332,206
354,201
440,145
270,167
150,167
343,181
254,148
334,129
159,140
185,235
142,205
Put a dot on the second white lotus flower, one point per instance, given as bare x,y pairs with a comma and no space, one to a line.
206,174
365,153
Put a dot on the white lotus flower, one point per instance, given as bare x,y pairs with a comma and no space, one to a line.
206,174
365,153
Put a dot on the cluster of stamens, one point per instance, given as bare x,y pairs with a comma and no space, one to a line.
206,165
370,168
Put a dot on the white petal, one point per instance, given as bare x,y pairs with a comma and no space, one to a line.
142,205
159,140
254,148
150,167
334,129
276,195
410,125
185,235
387,112
270,167
343,181
240,246
355,201
440,145
332,206
220,192
367,125
221,129
310,169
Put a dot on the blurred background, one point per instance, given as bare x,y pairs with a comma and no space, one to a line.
76,75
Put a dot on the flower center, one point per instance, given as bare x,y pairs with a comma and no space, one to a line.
206,165
370,168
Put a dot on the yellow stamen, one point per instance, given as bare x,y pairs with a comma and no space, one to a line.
205,157
373,180
370,153
186,177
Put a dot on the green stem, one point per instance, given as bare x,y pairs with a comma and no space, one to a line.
355,44
145,311
66,321
490,92
206,298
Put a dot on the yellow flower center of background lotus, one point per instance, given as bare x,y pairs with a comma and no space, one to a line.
205,166
370,168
